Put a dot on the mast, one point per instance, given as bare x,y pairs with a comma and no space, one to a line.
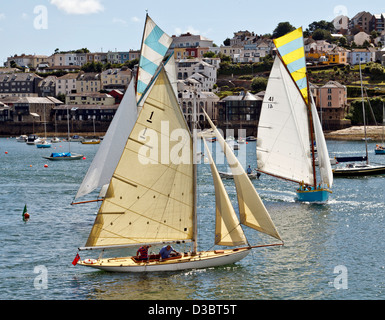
194,159
363,113
311,129
141,48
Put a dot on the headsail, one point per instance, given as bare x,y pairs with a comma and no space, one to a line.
110,150
291,49
251,208
155,44
150,200
228,231
322,150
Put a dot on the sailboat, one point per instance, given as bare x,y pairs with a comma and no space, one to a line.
289,124
362,167
94,140
44,143
151,197
57,156
380,148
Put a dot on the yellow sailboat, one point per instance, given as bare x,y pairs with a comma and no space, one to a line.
153,201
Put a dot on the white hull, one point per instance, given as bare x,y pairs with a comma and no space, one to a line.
201,260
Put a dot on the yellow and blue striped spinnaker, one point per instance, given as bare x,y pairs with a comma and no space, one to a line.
291,48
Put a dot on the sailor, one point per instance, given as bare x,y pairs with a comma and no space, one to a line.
142,252
249,170
165,252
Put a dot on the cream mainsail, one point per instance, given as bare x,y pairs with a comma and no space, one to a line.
151,195
228,231
252,211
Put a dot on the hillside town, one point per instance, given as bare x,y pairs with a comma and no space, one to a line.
87,87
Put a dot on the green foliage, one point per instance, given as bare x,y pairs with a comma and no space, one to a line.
376,71
282,29
92,67
375,105
259,84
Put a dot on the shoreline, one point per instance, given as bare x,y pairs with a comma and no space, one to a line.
350,134
356,133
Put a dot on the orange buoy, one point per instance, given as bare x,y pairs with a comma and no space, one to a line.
46,166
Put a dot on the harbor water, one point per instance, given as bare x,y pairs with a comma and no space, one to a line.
331,251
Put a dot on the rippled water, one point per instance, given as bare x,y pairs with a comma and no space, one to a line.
320,240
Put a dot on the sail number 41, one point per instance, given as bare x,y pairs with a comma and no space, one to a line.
271,100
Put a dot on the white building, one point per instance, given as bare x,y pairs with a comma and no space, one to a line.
66,84
199,70
357,55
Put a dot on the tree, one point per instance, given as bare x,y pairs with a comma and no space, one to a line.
282,29
324,25
321,34
209,54
226,42
259,84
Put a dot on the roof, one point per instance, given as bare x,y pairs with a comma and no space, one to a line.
333,84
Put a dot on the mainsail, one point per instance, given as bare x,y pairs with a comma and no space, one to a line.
149,199
283,145
155,44
228,231
251,208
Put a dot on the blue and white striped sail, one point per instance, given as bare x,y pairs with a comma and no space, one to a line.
155,45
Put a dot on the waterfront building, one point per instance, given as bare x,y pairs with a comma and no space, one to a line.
116,78
94,98
19,84
66,84
332,104
240,112
47,87
88,82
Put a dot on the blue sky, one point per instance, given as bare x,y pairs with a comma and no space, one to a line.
41,26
